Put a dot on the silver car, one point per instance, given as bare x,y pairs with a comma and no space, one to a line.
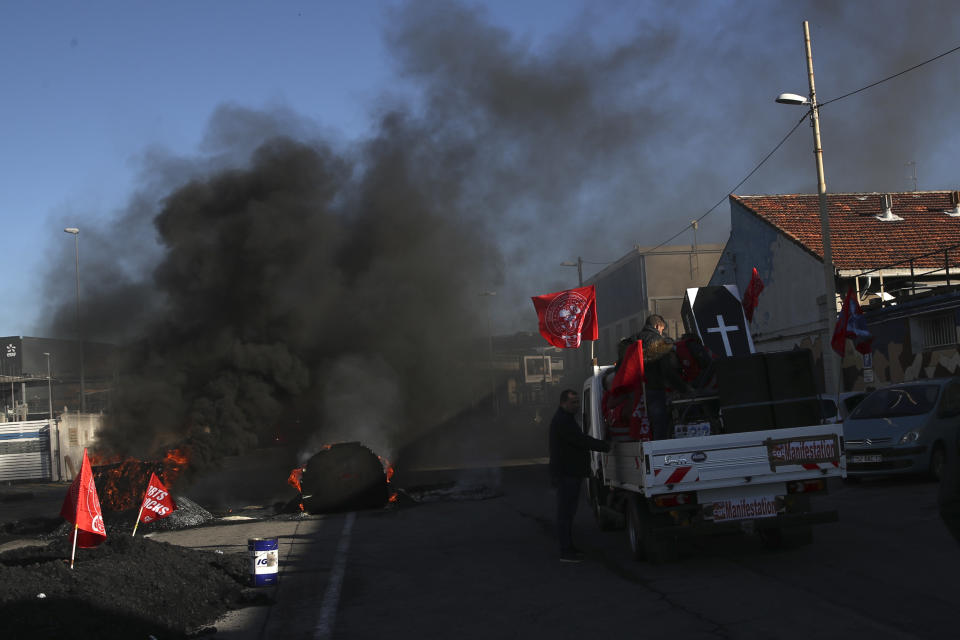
903,428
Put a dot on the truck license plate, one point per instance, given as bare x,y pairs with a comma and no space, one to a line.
744,508
867,458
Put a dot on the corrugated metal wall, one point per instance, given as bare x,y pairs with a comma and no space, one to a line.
25,451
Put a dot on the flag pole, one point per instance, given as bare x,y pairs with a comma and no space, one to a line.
137,523
142,503
73,551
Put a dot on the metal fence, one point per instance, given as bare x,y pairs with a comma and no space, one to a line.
25,451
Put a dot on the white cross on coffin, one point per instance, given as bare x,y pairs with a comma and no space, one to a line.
723,329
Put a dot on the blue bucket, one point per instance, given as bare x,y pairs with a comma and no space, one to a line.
264,561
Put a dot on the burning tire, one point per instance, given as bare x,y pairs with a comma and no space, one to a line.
344,477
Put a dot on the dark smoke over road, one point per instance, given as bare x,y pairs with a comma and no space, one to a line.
286,280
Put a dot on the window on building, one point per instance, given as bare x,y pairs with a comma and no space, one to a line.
937,331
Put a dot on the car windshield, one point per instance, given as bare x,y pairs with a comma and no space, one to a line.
828,408
853,401
897,401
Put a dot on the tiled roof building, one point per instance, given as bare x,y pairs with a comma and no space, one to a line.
885,246
861,236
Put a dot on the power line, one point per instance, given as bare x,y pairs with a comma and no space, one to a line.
790,133
870,86
738,185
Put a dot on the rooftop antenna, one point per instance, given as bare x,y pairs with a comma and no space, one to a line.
696,255
914,176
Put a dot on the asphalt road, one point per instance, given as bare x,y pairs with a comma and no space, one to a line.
471,553
488,568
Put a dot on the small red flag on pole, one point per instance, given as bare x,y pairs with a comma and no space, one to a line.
751,296
851,324
82,508
157,503
567,317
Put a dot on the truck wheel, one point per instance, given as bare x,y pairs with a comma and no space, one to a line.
937,460
641,526
598,504
772,538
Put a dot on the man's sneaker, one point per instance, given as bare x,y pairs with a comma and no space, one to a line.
571,556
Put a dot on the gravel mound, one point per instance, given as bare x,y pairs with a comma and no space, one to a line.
120,523
126,588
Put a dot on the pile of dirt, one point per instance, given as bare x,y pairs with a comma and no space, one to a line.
126,588
118,523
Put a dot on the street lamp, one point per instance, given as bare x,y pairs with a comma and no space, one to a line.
579,265
831,378
76,242
493,379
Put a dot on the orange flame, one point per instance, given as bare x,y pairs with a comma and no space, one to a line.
389,470
125,479
294,481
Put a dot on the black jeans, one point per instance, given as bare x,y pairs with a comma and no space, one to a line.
657,412
568,496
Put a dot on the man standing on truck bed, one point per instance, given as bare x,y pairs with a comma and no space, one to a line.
663,370
569,465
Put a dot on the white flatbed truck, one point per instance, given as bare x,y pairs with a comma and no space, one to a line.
757,480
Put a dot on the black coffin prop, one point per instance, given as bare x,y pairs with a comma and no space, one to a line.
768,391
345,477
716,315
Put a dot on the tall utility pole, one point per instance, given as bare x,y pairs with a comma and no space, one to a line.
831,379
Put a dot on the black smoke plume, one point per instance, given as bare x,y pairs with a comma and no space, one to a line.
296,282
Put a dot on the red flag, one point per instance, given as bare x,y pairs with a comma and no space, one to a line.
82,508
752,295
629,375
566,317
851,324
157,501
630,379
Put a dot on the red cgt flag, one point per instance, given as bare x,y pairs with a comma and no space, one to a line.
157,502
81,507
566,317
751,296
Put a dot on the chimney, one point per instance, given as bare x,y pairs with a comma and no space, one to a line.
888,215
955,201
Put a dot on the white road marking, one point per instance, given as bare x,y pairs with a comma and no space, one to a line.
331,598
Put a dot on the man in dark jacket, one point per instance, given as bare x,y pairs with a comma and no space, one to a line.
662,369
569,465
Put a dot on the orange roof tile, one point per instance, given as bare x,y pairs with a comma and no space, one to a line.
858,239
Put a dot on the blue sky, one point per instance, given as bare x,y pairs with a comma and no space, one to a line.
92,90
90,87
